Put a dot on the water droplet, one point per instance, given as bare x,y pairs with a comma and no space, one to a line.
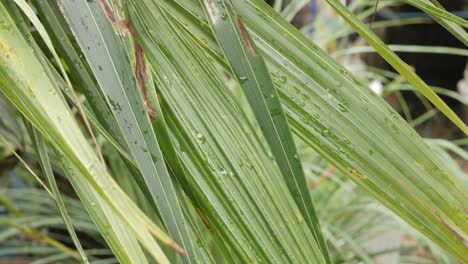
270,155
90,166
282,80
326,133
93,204
199,243
275,111
224,172
243,79
200,138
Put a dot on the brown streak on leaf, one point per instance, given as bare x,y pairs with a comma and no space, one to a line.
245,34
203,218
356,174
246,38
122,28
140,71
419,165
178,249
107,10
457,236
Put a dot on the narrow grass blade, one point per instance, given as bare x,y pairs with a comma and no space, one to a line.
41,150
400,66
33,234
405,48
435,11
455,29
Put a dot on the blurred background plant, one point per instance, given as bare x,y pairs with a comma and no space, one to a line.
358,228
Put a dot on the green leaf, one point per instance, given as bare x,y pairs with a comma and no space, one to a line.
405,48
115,76
435,11
400,66
41,150
347,123
36,96
236,187
455,29
252,74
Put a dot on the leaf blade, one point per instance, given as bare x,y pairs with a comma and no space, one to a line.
253,76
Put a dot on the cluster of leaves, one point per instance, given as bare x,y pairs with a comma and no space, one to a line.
177,168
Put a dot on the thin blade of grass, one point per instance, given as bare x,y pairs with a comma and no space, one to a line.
400,66
41,150
455,29
435,11
405,48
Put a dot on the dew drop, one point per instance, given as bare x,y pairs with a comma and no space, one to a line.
326,133
243,79
282,80
200,138
224,172
270,155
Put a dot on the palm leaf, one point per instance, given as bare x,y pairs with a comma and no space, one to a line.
235,184
252,74
113,71
346,123
35,95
